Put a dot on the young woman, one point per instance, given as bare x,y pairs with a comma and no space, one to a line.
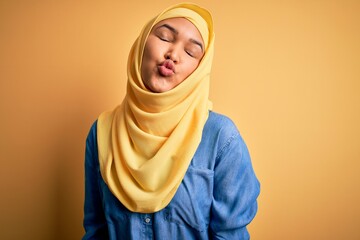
162,165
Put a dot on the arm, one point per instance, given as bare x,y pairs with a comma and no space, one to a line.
236,189
94,219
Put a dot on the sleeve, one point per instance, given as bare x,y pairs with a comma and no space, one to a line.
94,219
236,189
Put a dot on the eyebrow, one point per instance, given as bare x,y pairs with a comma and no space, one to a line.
172,29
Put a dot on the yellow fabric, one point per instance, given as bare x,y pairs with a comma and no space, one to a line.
146,144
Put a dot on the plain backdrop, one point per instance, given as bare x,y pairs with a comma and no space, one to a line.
286,72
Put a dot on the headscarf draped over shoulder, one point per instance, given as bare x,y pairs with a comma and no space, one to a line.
146,144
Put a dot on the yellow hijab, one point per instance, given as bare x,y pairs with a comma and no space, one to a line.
146,144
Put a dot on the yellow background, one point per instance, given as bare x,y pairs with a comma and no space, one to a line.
287,73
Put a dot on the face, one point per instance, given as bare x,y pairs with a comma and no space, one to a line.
173,50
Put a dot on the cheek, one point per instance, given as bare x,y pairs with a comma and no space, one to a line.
145,56
152,48
191,67
145,62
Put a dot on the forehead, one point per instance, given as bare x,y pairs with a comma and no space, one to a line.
182,26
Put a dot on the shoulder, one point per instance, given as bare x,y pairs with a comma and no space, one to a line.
91,146
224,133
92,135
219,139
219,132
92,132
220,125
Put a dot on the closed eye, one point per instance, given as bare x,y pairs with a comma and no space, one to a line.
190,53
164,34
194,51
164,39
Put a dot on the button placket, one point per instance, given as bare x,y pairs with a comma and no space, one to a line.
147,219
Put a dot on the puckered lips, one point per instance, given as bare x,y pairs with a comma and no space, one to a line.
166,68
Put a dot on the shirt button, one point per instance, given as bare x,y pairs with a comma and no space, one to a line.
147,220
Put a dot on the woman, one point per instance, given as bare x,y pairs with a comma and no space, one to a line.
162,165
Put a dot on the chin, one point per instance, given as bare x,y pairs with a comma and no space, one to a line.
159,90
158,86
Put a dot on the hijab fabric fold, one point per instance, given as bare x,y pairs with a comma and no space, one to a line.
146,144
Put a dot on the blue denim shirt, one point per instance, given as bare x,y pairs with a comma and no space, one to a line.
216,199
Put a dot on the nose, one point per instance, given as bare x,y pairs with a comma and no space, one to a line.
173,53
